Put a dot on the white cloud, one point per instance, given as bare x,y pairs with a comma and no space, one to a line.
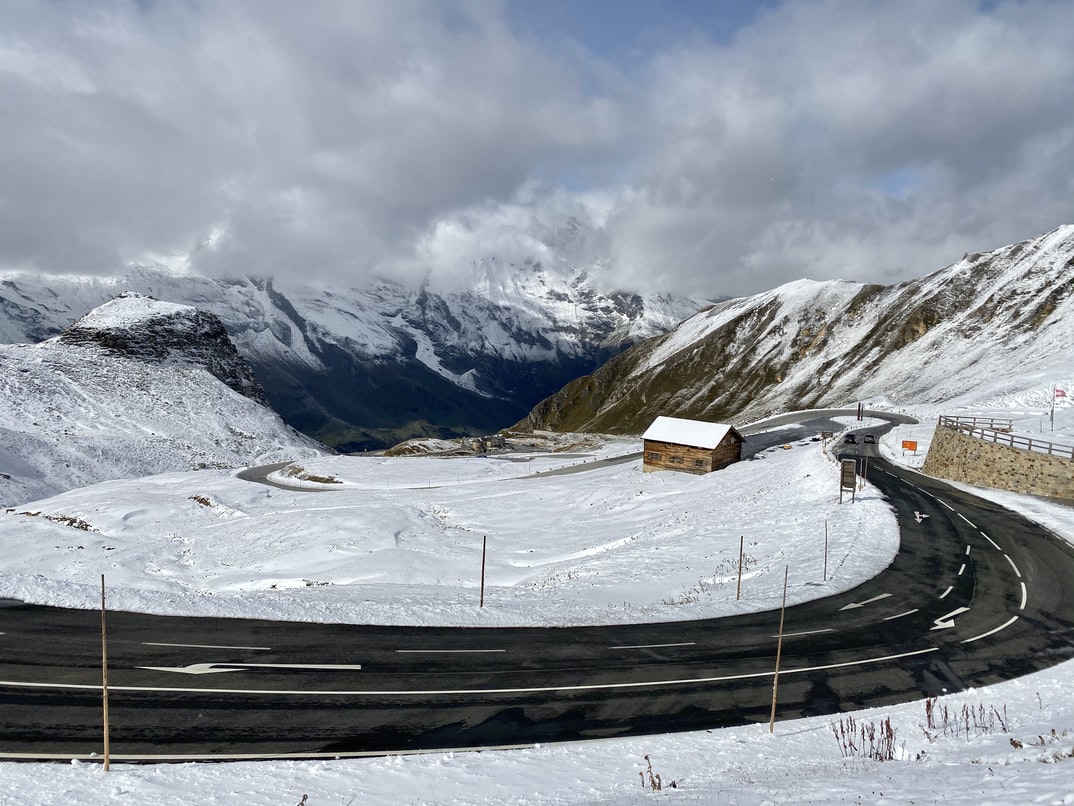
867,140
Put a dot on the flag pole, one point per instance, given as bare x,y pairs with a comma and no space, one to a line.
1053,408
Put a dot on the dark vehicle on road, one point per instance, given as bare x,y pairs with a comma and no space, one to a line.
850,439
870,439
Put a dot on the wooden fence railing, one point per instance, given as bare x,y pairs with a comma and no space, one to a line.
1004,437
992,423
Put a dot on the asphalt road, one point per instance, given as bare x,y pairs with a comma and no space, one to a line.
976,595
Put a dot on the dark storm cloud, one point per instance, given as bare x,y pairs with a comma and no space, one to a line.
335,140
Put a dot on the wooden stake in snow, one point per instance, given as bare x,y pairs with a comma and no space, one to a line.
779,652
104,677
484,545
738,590
825,579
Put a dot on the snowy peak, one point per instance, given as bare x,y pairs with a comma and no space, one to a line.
139,327
131,310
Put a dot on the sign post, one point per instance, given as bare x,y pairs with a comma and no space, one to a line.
848,473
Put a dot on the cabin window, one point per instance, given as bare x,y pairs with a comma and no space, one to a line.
654,456
676,460
699,462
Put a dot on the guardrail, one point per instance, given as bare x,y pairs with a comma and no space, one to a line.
993,423
1005,437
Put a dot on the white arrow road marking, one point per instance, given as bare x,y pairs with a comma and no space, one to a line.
947,621
920,516
217,668
852,605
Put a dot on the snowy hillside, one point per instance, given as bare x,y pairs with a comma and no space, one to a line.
133,388
812,344
400,540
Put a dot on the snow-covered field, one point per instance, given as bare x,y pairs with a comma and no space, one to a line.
399,541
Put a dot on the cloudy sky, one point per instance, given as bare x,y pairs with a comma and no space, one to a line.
714,147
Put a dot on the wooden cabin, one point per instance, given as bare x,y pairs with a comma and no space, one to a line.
691,446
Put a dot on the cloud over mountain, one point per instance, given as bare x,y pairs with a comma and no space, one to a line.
351,139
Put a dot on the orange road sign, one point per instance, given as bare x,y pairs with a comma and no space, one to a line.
909,445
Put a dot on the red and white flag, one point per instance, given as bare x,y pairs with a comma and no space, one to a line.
1060,392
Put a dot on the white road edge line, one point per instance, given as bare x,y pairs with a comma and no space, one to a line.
446,651
971,523
455,692
804,632
900,615
1017,573
1025,596
990,540
208,646
967,551
654,646
946,505
949,589
963,568
1002,626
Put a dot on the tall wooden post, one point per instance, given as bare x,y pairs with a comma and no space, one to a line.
738,590
104,678
779,652
825,579
484,546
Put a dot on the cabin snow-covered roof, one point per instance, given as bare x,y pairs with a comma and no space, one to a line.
695,433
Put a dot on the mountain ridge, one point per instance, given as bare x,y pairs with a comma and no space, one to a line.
366,367
812,344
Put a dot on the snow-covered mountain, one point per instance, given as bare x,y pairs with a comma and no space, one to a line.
367,367
133,388
809,344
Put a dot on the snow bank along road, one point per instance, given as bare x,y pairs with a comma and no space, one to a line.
976,595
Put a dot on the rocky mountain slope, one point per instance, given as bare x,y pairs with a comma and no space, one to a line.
141,328
811,344
367,367
135,387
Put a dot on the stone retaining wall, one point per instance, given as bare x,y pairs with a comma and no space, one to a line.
957,456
